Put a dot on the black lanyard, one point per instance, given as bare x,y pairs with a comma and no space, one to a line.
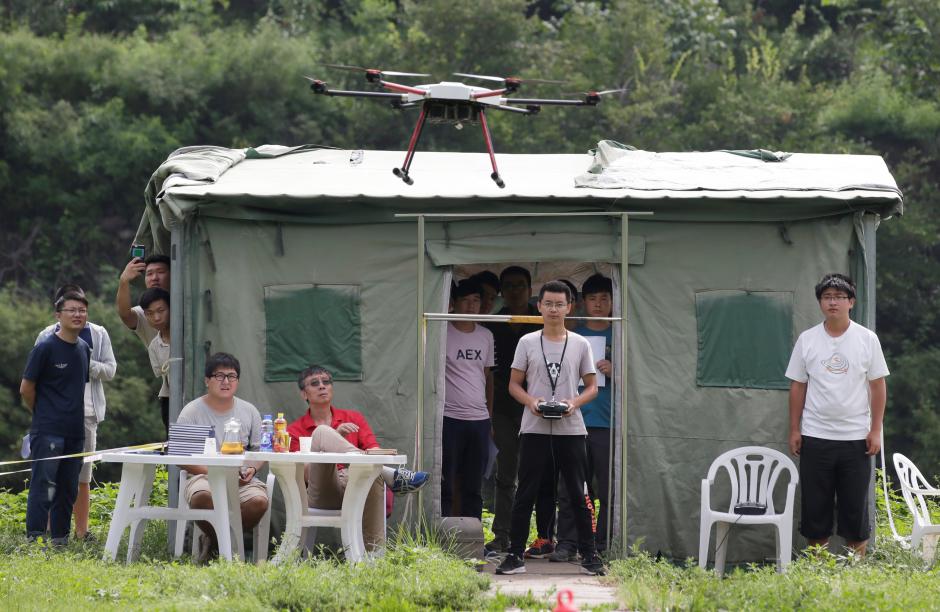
553,380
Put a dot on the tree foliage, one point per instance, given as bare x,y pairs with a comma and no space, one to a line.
94,95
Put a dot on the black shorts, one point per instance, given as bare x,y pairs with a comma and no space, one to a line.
834,473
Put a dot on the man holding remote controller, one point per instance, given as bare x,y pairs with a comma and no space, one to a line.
551,362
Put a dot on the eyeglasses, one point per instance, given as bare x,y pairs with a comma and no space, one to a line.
834,298
220,377
316,382
75,311
514,285
554,305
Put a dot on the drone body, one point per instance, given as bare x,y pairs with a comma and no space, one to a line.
452,102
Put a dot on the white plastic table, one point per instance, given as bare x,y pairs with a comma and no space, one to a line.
288,468
133,497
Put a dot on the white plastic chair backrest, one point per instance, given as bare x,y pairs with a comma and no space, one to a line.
911,478
753,472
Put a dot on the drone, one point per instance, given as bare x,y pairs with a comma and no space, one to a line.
454,103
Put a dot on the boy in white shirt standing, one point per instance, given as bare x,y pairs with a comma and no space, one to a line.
837,405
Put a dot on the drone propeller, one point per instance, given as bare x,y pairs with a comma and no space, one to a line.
594,93
376,71
507,79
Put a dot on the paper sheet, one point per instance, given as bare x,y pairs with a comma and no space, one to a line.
599,348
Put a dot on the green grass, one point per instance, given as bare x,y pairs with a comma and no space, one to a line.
888,579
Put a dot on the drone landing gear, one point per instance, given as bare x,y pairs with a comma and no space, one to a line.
402,172
489,149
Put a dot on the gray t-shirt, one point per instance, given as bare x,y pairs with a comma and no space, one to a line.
197,412
469,354
578,361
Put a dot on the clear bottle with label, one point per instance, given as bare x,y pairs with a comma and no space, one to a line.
267,434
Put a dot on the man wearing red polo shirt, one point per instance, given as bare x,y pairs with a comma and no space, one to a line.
336,430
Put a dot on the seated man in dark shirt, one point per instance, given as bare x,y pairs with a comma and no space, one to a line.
336,430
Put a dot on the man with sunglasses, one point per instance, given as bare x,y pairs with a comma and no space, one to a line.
837,405
338,430
215,408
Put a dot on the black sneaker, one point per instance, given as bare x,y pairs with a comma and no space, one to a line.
563,554
593,566
512,564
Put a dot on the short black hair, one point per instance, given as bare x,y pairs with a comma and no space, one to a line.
70,295
310,371
487,278
515,270
837,281
574,289
468,286
555,286
152,295
157,259
222,360
597,283
66,288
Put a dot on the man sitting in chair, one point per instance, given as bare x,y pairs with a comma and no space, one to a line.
336,430
214,408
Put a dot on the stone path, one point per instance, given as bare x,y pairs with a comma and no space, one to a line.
545,579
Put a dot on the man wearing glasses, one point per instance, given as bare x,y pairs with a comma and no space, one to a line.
837,405
101,367
546,370
215,408
338,430
53,390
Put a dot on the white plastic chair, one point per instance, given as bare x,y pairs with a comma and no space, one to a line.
754,472
260,533
915,489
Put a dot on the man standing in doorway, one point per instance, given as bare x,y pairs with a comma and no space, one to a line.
516,287
551,362
468,401
597,300
837,404
53,390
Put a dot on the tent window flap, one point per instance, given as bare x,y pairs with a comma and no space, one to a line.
312,324
744,338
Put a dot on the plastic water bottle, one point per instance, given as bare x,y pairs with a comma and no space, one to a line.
267,434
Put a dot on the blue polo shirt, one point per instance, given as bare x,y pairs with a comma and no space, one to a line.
597,412
60,371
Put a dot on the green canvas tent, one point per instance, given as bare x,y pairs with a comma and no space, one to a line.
290,256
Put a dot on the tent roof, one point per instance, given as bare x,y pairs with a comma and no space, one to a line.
312,183
329,173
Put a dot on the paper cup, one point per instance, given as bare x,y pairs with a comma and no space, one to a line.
210,448
305,444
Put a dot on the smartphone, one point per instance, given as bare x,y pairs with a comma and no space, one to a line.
138,251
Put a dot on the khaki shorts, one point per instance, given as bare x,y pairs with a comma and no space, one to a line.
91,441
200,482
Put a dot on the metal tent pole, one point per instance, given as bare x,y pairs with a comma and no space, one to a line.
624,269
420,325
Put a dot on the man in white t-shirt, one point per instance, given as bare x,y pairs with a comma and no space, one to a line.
837,405
468,405
550,363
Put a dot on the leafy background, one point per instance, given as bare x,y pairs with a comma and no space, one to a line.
95,94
